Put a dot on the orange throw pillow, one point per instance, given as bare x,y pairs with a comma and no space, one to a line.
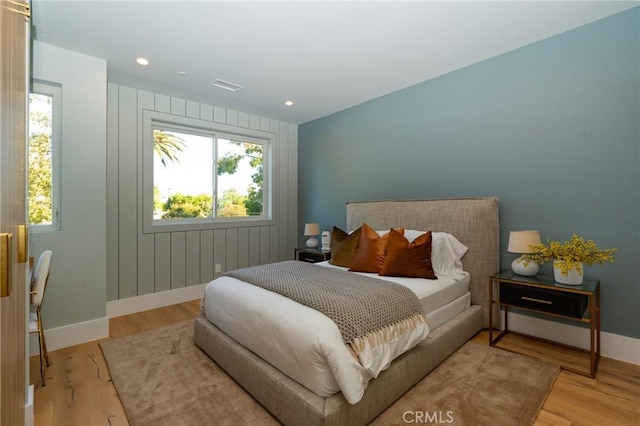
371,250
405,259
343,246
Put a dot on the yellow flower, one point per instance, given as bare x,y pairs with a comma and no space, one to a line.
569,255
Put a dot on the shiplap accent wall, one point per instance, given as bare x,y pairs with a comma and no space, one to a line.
139,263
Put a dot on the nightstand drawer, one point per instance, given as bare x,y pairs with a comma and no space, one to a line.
553,301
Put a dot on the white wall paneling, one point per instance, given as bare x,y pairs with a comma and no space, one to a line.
144,263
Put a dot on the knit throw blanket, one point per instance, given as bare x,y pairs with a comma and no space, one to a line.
365,309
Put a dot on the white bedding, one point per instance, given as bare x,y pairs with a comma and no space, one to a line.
305,344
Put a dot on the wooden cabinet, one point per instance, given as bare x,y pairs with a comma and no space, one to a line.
14,56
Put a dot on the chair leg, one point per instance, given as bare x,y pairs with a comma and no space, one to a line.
43,345
42,359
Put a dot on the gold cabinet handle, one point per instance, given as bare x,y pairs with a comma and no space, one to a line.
547,302
17,3
5,264
26,10
23,243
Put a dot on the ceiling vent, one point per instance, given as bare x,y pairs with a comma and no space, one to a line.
226,85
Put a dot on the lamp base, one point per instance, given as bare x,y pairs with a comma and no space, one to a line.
312,242
517,266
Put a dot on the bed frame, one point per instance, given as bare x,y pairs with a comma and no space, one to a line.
474,221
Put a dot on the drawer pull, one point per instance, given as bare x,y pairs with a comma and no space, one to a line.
547,302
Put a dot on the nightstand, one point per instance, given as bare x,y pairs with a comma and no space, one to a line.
542,295
311,255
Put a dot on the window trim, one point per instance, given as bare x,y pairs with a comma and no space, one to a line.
151,119
41,87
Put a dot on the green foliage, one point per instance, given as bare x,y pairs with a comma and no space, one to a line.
40,180
253,202
40,169
232,210
229,164
157,203
167,146
187,206
232,204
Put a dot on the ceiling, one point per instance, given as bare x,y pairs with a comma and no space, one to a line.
324,56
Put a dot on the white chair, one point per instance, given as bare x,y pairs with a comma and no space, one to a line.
38,286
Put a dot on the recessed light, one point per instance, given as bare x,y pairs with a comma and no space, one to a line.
142,61
288,103
182,73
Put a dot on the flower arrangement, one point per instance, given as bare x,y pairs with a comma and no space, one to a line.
570,254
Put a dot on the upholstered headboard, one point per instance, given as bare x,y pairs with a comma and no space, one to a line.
473,221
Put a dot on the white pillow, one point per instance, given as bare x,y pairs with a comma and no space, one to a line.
446,251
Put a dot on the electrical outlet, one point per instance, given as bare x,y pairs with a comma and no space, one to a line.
218,267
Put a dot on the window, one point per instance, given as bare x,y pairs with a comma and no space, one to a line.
43,154
203,174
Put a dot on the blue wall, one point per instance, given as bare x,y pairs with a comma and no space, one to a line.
552,129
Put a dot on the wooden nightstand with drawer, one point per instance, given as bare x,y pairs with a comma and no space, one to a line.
311,255
541,295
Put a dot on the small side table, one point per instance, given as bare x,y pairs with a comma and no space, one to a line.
542,295
311,255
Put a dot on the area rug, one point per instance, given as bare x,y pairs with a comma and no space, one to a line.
162,378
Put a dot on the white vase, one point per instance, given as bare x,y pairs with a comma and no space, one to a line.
573,277
517,266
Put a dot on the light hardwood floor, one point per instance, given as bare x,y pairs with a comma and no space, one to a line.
79,391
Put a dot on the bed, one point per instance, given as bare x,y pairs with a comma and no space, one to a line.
474,222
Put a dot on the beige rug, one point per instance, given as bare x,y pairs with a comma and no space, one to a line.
162,378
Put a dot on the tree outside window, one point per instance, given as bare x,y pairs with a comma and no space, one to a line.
40,159
186,184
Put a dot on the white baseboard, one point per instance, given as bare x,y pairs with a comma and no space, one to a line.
146,302
70,335
615,346
28,409
75,334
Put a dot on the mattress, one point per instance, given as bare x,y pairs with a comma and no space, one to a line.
433,294
448,311
305,344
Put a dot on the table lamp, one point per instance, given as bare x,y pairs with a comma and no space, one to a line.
520,242
311,230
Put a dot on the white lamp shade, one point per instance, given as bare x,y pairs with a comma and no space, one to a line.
521,241
311,229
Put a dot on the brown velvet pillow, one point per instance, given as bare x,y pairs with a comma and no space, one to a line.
405,259
343,246
371,250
